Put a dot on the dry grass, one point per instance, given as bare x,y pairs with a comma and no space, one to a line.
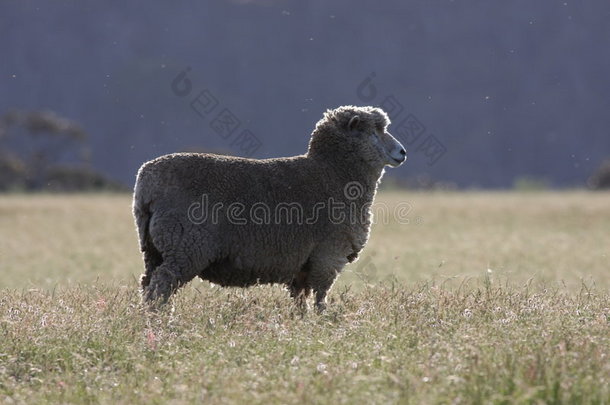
419,319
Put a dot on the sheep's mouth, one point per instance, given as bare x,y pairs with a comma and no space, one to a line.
394,162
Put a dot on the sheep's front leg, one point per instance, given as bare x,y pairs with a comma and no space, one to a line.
324,267
300,289
321,280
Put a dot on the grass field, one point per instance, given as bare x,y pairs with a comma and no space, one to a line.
479,298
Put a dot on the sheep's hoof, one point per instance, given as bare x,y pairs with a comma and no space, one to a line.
320,307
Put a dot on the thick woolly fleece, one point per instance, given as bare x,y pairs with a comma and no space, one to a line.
174,193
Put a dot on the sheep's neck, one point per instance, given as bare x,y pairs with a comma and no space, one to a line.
364,175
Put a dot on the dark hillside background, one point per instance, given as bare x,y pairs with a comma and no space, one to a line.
509,89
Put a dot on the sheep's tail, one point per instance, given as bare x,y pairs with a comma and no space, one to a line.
152,256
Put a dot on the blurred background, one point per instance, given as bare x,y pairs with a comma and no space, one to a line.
483,94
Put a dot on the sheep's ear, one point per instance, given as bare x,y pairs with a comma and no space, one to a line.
353,122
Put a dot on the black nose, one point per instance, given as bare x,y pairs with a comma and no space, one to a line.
403,152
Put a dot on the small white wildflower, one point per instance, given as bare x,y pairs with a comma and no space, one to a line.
467,313
321,368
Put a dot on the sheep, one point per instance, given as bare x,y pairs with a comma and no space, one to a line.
226,219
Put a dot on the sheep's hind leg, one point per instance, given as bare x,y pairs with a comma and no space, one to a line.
180,257
165,281
152,260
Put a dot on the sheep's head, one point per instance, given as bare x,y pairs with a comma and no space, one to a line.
359,132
